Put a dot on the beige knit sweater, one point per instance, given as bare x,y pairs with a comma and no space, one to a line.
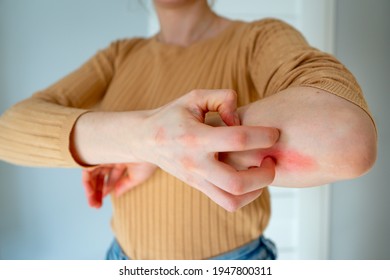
164,218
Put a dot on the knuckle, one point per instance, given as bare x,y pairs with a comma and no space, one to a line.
194,93
236,185
189,164
188,139
189,179
232,204
231,95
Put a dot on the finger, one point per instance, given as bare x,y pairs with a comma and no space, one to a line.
238,138
96,199
113,177
98,178
86,181
223,101
231,202
245,159
116,174
241,182
89,186
224,199
134,175
123,185
106,186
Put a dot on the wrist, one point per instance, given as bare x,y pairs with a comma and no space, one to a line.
107,137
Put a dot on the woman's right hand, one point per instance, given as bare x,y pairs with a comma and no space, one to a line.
175,138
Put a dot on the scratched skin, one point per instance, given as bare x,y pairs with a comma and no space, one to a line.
290,160
290,164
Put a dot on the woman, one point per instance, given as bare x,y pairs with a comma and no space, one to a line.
135,115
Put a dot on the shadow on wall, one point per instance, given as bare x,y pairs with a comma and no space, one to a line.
43,211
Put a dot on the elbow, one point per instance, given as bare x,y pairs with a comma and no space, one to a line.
355,141
360,163
359,152
364,158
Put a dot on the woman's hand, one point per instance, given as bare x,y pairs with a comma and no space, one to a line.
175,138
120,178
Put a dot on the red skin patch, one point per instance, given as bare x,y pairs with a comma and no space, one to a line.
290,160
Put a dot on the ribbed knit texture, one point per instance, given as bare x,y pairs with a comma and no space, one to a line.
164,218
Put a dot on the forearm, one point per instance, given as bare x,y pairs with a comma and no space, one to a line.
106,137
323,138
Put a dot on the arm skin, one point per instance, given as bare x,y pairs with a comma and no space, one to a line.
323,138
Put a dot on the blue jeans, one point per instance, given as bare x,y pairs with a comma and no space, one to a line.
258,249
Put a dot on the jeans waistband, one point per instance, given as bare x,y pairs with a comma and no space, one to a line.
258,249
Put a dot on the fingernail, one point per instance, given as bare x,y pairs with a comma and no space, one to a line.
267,161
277,134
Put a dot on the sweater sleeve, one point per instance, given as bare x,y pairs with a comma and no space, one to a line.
280,57
36,131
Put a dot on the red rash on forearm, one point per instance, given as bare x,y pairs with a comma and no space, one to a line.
291,161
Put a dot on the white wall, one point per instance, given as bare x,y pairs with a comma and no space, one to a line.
43,212
361,207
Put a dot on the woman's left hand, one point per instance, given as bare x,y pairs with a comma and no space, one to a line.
101,180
